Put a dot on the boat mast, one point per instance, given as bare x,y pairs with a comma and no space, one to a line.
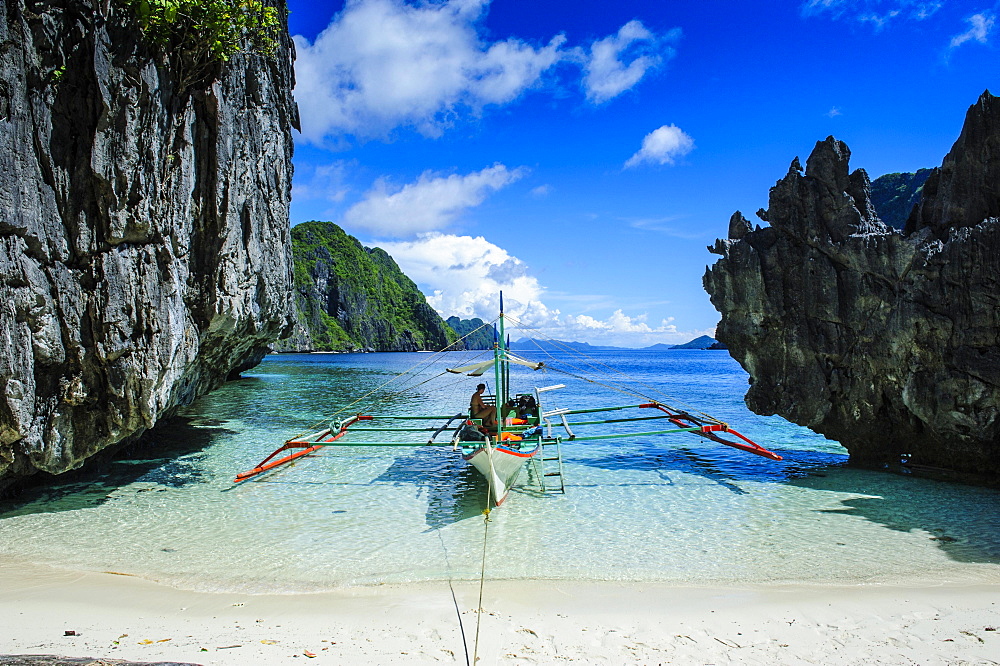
499,367
506,372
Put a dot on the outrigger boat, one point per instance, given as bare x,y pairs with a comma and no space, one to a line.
524,429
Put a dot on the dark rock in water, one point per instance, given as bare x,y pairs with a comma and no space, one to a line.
885,342
143,230
352,298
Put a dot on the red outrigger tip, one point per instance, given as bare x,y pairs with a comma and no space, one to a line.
317,441
708,431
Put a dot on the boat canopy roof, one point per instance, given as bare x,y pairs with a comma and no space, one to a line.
477,369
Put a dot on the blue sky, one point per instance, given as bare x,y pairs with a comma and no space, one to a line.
582,155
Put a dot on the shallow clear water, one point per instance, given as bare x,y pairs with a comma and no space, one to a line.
668,508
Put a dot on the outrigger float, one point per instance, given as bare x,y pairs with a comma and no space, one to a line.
527,428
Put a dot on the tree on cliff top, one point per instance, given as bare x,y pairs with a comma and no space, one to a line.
195,36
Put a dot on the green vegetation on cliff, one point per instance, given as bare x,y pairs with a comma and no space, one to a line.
349,298
194,36
482,338
895,194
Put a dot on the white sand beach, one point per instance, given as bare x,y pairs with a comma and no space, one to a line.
524,622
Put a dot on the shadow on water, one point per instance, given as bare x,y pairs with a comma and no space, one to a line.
963,521
718,464
168,456
454,490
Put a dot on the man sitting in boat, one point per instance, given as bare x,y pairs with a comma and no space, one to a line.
480,410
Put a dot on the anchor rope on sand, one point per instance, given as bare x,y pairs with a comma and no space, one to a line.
482,569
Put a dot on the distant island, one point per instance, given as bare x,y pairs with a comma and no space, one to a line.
701,342
526,344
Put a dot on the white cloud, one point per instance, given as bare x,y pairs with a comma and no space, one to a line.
877,13
662,146
382,63
464,276
619,322
607,76
816,6
541,191
879,21
833,112
666,225
430,203
619,330
980,26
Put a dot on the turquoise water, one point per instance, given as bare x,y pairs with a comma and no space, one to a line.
667,508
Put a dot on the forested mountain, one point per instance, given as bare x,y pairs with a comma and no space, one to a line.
482,338
353,298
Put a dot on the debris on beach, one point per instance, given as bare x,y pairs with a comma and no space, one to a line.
55,660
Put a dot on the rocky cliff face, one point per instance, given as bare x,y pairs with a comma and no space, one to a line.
884,341
352,298
473,333
143,233
895,194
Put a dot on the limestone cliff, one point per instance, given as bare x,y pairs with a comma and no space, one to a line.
474,333
895,194
143,229
884,341
353,298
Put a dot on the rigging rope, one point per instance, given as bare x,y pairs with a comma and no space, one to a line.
403,390
616,386
379,388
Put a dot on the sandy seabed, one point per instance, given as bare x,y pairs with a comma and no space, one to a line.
522,622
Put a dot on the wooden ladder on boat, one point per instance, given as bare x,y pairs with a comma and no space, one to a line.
551,446
551,452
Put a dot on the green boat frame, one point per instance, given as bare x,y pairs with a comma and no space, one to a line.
500,452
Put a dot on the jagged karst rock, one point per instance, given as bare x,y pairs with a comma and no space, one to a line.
965,189
143,234
352,298
886,342
474,333
895,194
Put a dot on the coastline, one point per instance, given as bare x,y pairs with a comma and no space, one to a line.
524,622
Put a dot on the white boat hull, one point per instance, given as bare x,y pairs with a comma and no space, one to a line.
499,465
